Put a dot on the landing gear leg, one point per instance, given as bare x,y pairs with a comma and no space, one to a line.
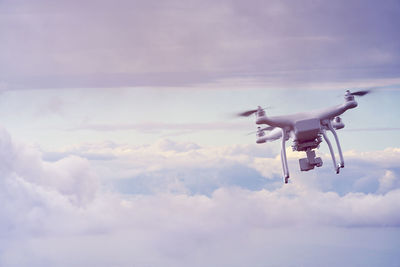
284,159
335,166
337,143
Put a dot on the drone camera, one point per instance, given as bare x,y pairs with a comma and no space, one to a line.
305,165
310,162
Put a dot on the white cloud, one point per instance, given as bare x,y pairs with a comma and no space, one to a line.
390,157
203,169
223,230
387,182
60,214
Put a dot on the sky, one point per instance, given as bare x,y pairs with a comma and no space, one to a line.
120,145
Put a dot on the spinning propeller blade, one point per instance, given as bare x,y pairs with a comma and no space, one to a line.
247,113
269,128
250,112
361,93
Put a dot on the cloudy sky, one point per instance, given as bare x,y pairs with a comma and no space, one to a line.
119,146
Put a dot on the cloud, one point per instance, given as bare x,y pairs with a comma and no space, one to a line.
63,213
31,189
184,128
195,169
388,182
134,43
177,230
162,126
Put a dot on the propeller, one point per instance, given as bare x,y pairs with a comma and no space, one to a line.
269,128
247,113
361,93
250,112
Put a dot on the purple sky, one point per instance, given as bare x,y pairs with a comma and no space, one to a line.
118,146
125,43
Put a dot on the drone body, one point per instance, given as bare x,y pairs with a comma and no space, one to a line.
306,129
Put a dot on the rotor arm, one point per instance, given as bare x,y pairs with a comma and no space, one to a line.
329,124
336,110
335,166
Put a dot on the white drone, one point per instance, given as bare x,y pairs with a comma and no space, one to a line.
306,129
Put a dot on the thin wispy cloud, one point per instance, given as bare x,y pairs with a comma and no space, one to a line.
133,43
162,126
374,129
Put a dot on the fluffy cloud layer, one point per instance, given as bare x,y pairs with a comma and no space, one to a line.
64,213
167,166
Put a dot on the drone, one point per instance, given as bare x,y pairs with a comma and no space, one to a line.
306,128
